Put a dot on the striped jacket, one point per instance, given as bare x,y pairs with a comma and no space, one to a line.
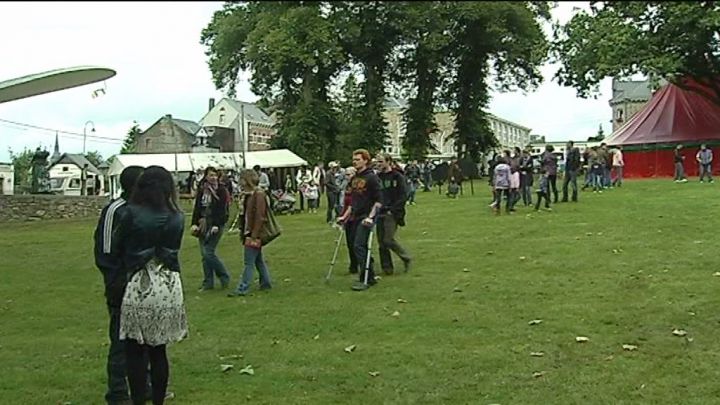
108,261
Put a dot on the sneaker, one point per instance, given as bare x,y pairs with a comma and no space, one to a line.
237,293
358,286
712,181
548,209
265,287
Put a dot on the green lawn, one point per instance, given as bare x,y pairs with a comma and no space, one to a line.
623,267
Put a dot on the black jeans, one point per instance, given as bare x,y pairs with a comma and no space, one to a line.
137,369
117,389
552,181
540,196
570,178
360,247
332,198
350,228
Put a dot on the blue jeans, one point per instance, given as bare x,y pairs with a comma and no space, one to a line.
254,259
705,169
412,188
211,262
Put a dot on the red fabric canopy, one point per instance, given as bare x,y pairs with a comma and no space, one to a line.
672,115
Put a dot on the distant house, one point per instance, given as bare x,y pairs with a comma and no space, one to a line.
229,131
168,135
628,97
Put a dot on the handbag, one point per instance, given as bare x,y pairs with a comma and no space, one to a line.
271,228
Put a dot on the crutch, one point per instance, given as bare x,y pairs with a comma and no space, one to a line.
369,248
334,258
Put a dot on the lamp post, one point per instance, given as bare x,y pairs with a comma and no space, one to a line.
85,133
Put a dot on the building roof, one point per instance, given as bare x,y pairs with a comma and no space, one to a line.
75,159
630,91
252,112
191,127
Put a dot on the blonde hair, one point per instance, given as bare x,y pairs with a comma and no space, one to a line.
250,178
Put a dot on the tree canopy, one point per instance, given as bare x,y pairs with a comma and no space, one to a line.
326,68
669,40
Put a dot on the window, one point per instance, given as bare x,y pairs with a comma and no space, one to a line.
74,183
65,168
221,120
147,143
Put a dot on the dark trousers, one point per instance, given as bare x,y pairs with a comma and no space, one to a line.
360,246
332,198
302,201
117,389
350,228
570,178
552,181
540,196
386,228
137,368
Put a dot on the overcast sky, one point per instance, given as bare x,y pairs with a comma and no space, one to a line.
161,69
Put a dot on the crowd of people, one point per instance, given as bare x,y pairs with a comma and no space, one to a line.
138,235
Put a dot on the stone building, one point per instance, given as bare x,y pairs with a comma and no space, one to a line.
628,97
167,135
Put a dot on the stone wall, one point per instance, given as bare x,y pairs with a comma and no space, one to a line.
39,207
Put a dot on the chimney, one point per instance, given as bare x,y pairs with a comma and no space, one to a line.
168,116
211,104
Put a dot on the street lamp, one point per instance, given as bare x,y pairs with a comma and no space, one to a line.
85,133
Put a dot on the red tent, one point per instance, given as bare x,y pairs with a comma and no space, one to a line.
672,116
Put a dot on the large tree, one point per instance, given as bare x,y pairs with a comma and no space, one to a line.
421,57
351,113
292,53
369,32
502,41
671,40
22,164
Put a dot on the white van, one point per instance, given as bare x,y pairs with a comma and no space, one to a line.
71,185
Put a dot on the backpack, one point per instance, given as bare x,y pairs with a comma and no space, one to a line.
271,229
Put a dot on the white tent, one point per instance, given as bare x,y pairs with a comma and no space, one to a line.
188,162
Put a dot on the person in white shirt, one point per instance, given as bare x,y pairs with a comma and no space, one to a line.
302,179
319,178
264,179
618,165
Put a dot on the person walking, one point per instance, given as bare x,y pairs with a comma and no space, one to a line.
350,224
704,158
549,163
392,214
255,214
332,190
365,204
618,165
302,180
210,214
412,172
572,165
679,168
526,177
152,313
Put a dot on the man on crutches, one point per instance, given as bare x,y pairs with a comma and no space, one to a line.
365,205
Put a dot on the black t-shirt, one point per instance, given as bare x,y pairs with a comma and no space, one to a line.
365,193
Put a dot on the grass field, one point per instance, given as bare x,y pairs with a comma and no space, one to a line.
624,267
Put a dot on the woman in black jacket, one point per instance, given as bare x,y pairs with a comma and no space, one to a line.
208,221
152,314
